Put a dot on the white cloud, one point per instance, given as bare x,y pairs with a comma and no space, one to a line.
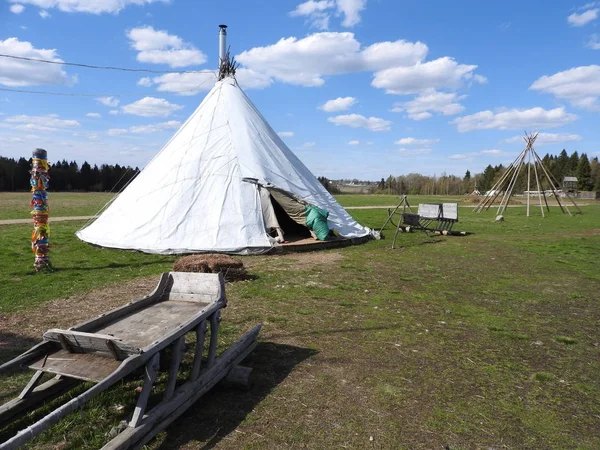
423,77
17,8
194,83
419,108
309,144
19,73
182,83
548,138
593,42
116,131
493,152
318,13
315,12
579,85
50,122
108,101
44,14
153,128
90,136
93,115
415,141
514,119
306,61
87,6
286,133
160,47
354,143
579,20
146,82
351,10
250,79
470,156
151,107
114,112
413,151
358,121
338,104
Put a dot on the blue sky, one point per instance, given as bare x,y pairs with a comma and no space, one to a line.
356,88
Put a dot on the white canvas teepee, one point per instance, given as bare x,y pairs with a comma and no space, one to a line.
195,195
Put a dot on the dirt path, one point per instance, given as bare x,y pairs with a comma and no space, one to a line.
52,219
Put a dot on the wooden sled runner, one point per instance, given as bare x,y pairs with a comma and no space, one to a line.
113,345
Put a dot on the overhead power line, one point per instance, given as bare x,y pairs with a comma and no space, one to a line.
74,94
90,66
67,94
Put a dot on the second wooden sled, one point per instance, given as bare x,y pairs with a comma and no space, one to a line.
113,345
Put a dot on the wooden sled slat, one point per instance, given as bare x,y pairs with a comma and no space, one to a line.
149,325
81,366
82,342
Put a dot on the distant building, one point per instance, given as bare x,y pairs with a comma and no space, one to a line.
570,184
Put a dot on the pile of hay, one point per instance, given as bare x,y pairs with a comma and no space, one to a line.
231,268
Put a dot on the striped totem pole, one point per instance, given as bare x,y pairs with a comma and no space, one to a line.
40,211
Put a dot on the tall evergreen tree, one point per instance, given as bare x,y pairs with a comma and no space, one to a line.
573,163
584,174
561,167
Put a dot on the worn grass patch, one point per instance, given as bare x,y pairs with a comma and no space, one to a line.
453,344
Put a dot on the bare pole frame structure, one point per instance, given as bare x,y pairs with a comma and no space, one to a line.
508,180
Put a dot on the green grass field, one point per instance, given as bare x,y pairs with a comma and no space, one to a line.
484,341
15,205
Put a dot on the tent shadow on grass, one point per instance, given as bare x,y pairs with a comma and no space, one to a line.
223,409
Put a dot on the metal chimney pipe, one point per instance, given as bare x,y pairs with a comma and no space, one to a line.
222,43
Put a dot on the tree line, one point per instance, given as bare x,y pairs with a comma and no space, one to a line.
67,176
587,172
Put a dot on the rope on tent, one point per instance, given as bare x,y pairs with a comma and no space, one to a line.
113,198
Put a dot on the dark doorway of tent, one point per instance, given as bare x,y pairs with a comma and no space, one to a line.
289,219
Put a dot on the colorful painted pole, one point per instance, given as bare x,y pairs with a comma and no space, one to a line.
40,211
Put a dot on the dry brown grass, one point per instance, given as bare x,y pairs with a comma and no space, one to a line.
232,269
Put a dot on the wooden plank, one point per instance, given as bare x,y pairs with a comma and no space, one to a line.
203,287
79,341
239,376
191,297
200,337
82,366
115,314
450,211
185,396
429,211
176,354
149,377
33,382
147,326
215,319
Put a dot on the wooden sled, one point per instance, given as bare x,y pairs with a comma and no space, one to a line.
106,349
